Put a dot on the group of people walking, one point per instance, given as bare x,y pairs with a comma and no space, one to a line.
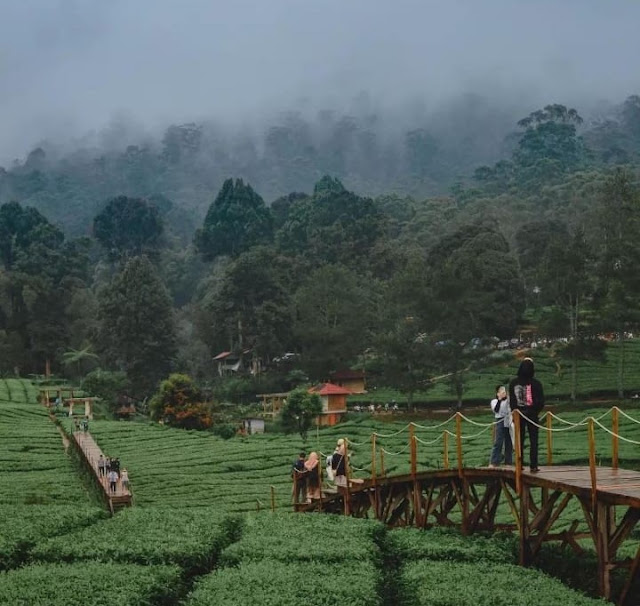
307,473
109,468
525,395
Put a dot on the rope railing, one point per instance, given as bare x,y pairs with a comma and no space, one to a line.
391,435
624,414
546,421
614,434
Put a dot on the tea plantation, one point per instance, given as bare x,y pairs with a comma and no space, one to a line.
201,533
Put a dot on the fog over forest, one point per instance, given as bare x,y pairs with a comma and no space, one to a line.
103,74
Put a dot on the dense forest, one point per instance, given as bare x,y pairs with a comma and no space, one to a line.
338,241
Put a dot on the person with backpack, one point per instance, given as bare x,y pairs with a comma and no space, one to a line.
502,413
526,396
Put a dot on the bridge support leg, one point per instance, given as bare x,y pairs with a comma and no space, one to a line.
525,548
603,529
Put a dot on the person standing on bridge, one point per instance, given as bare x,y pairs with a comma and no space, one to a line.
113,481
502,413
526,396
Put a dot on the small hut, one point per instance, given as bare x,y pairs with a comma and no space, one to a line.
253,425
334,402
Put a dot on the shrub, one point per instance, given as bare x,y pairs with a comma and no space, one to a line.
278,584
89,583
192,539
488,583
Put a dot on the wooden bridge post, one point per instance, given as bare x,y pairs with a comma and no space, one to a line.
518,449
459,442
592,463
347,473
374,479
525,547
614,437
412,447
382,471
603,518
549,439
319,467
414,468
445,449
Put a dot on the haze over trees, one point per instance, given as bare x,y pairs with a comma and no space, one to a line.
409,287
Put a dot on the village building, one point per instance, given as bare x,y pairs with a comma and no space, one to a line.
334,403
353,380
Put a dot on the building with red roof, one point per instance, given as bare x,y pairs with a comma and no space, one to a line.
334,402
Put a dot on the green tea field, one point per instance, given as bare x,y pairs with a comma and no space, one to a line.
201,531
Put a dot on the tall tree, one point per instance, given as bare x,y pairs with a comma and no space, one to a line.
137,332
477,293
127,227
550,139
250,307
41,274
619,258
333,226
566,274
333,318
237,220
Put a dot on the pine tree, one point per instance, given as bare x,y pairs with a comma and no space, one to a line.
137,332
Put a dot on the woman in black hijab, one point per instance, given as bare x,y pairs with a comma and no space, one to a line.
526,396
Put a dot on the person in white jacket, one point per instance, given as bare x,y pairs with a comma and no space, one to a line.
502,412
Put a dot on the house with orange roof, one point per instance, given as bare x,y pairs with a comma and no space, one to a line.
334,402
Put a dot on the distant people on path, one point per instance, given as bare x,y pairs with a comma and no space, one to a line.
76,424
312,468
526,396
299,475
115,465
102,466
502,412
124,477
339,464
113,481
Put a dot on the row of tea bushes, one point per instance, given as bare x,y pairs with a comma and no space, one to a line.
488,583
34,467
191,539
90,584
440,567
22,527
293,559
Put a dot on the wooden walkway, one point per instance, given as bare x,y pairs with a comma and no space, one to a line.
469,498
91,453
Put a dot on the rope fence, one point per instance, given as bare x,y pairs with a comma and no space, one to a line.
386,444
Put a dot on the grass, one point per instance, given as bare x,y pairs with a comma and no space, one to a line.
594,378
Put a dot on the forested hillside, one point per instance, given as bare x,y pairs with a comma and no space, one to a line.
341,240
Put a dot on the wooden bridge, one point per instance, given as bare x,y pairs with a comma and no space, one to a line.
471,498
90,452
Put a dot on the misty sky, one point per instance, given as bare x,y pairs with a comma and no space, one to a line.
70,66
